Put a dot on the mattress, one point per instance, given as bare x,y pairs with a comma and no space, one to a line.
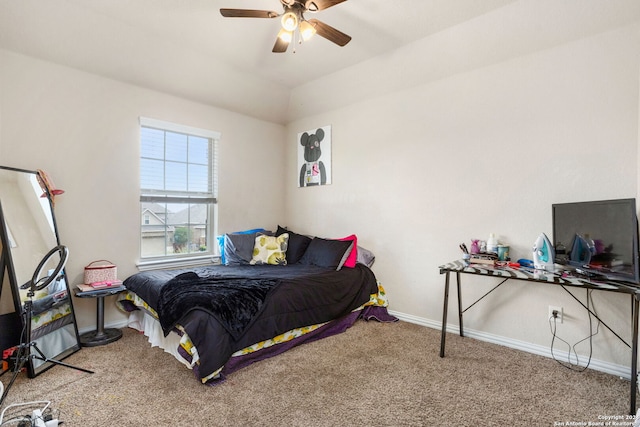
308,303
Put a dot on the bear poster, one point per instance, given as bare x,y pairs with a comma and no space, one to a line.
314,157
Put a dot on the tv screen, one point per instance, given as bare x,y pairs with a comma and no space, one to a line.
599,237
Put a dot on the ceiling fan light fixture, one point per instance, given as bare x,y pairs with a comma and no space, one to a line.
306,30
293,22
289,21
285,36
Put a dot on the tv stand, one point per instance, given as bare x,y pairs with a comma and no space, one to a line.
539,276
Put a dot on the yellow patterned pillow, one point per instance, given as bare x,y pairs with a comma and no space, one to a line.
270,250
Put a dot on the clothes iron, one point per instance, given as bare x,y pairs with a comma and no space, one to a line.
543,254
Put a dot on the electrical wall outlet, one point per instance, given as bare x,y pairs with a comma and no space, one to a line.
558,309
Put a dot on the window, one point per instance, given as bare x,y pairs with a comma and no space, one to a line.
178,186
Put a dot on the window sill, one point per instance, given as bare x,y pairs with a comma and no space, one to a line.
198,261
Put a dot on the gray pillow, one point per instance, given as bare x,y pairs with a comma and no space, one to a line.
365,257
238,248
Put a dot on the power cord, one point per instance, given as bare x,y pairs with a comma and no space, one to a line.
572,349
40,415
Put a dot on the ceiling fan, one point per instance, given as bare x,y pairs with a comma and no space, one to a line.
292,19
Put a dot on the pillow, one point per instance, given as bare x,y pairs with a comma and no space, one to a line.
297,245
221,241
352,256
238,248
327,253
270,250
366,257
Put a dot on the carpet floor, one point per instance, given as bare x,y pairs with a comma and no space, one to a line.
374,374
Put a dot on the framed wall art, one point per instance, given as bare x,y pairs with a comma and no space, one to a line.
314,157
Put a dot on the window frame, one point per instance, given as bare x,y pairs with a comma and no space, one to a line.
190,259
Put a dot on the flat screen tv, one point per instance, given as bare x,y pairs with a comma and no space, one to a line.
599,237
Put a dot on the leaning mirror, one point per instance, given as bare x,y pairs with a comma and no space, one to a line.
29,234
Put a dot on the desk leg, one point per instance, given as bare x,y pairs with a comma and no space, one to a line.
634,357
444,313
459,304
100,336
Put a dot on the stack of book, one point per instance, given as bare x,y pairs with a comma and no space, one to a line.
487,258
101,286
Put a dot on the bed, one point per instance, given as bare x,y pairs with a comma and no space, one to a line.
259,303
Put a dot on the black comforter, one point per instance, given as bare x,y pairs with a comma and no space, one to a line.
294,296
234,302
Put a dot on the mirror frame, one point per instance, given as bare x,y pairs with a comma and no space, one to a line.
10,321
9,270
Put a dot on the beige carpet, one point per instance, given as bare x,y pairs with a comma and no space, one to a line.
375,374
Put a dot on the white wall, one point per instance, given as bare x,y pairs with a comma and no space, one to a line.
416,171
420,170
83,130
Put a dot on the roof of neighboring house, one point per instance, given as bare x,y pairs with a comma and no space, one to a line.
195,214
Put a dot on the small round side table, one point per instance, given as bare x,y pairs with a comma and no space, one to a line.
101,335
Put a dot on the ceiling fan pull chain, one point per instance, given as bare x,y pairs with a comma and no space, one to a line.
296,33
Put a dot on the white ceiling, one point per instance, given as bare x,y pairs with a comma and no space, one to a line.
186,48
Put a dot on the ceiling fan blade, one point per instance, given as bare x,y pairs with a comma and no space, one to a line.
248,13
330,33
316,5
280,45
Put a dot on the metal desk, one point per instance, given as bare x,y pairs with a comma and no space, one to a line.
506,273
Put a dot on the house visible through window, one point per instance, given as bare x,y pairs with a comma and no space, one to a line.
177,190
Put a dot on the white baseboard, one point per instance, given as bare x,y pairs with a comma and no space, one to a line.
598,365
117,325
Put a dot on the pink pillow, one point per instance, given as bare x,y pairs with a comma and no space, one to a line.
353,255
